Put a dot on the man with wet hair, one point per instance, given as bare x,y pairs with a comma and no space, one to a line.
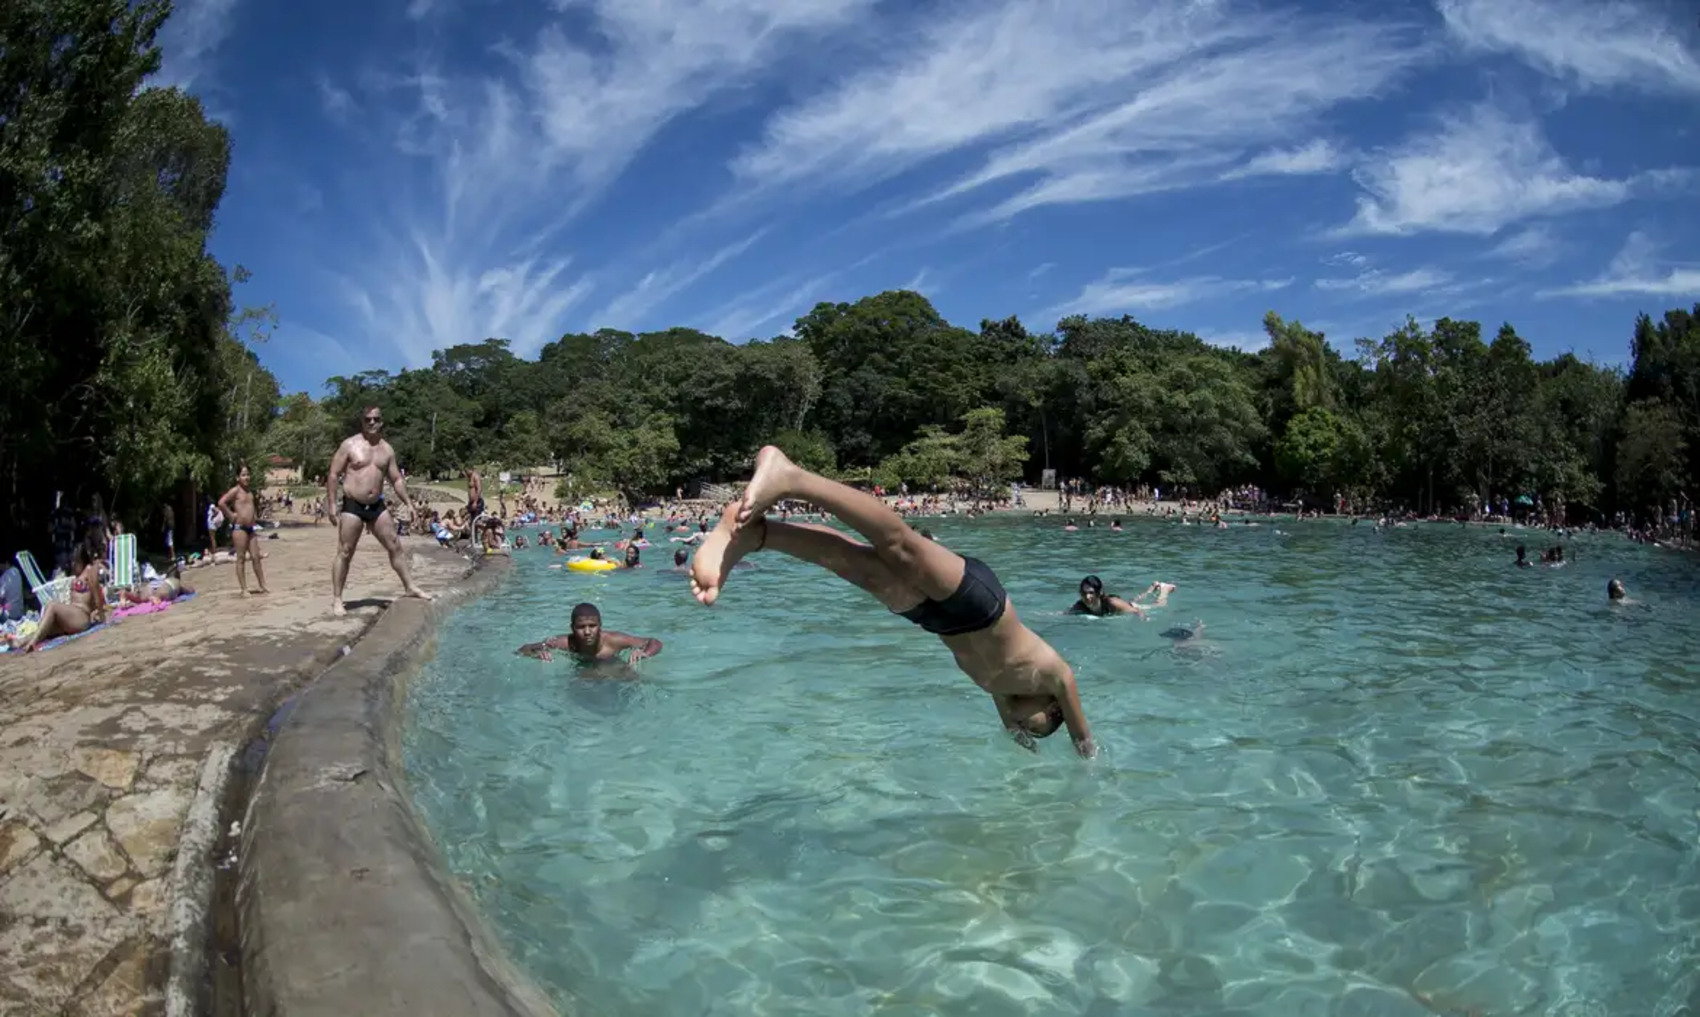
591,643
957,599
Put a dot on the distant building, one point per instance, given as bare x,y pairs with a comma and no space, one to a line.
281,471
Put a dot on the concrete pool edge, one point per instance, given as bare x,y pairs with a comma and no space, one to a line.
344,903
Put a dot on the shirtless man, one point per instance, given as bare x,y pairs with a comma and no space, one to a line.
474,496
238,506
956,598
362,463
591,643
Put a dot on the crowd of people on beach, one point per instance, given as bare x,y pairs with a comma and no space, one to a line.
783,508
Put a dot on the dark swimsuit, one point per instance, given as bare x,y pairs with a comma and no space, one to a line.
977,604
366,513
1103,606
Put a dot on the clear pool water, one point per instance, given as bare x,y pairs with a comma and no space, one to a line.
1400,777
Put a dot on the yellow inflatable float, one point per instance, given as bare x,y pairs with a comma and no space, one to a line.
591,565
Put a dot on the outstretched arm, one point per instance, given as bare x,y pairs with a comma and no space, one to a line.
640,646
1120,606
339,464
1067,694
541,651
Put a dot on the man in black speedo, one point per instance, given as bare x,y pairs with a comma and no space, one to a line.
957,599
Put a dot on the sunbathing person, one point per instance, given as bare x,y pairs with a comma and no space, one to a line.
957,599
162,590
85,609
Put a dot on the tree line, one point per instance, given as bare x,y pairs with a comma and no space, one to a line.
885,390
132,381
129,375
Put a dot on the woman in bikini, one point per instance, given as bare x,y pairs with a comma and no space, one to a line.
85,609
957,599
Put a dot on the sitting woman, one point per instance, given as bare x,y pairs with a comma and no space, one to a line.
85,609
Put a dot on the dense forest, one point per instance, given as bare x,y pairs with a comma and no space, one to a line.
133,383
885,390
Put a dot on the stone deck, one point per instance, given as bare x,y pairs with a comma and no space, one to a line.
108,741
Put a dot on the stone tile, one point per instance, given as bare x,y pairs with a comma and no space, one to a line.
58,928
147,825
126,991
97,855
120,887
65,829
174,771
112,767
17,842
147,900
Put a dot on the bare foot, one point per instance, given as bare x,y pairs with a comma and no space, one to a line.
728,543
338,609
244,594
418,594
261,590
773,474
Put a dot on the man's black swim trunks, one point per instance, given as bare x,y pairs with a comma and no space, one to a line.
977,603
367,513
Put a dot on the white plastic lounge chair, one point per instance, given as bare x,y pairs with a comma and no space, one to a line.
45,591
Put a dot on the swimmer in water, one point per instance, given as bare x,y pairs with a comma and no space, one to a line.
1094,601
591,643
957,599
1616,594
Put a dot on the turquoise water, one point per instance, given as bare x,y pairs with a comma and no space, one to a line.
1397,777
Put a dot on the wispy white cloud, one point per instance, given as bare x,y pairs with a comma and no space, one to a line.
1040,269
1477,172
742,318
1534,246
1319,156
1596,44
918,284
1093,99
1349,259
190,39
514,156
638,306
432,299
1637,270
1122,291
1375,282
338,102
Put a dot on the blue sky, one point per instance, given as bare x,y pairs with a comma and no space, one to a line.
409,174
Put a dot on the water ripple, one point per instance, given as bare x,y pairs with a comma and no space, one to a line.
1396,776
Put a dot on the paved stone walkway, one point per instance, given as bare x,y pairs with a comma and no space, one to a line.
102,742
